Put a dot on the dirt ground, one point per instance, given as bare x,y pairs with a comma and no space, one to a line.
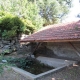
11,75
69,73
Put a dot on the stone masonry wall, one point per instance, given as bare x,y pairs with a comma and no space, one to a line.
13,45
64,49
61,49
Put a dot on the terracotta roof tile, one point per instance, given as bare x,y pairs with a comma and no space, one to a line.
56,32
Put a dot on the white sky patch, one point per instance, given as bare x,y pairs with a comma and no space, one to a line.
74,11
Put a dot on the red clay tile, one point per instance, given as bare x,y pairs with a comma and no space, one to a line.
56,32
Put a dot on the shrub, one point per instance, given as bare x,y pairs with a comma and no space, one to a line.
11,26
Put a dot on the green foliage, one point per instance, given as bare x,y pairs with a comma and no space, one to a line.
33,15
11,26
21,62
31,65
53,10
23,9
5,64
39,12
2,65
29,27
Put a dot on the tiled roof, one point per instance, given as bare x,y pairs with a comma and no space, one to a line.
56,33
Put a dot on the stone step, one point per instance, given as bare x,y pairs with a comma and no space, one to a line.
54,61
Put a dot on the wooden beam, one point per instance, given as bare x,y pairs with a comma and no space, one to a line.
36,47
75,49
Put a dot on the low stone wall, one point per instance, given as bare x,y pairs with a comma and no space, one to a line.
13,45
65,49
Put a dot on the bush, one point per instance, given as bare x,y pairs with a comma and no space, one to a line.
11,26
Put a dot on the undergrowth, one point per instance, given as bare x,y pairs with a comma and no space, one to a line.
31,65
4,64
28,64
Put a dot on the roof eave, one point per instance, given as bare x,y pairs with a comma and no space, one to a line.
59,40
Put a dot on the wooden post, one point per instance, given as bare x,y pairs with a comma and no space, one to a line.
77,52
36,47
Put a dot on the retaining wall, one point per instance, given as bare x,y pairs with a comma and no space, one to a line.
64,49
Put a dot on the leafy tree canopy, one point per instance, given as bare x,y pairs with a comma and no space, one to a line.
11,25
39,12
53,10
24,9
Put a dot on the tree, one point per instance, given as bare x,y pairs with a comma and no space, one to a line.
53,10
24,9
12,26
33,15
38,11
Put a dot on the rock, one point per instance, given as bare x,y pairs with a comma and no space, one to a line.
4,61
5,42
1,45
6,46
0,51
32,56
6,51
13,45
13,42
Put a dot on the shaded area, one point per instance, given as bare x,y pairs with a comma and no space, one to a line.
40,49
31,65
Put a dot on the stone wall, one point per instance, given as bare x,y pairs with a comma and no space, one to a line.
49,49
13,45
65,49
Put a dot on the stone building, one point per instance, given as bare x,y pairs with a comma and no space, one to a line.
61,40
